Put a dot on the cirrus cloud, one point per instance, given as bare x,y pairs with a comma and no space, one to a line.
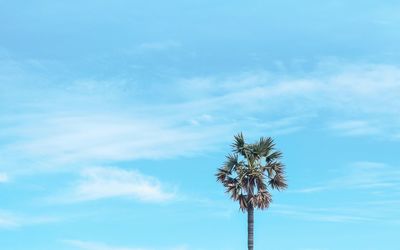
108,182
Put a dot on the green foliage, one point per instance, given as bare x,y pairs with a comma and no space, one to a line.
250,170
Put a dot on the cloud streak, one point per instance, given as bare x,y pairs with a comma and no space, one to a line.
361,176
10,220
88,245
89,122
355,128
102,183
346,213
374,189
4,177
85,245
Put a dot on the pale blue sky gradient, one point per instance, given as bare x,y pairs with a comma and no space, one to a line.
114,116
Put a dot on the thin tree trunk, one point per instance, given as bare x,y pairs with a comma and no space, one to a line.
250,227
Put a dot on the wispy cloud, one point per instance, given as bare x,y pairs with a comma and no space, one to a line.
4,177
89,139
88,245
369,175
10,220
342,213
101,183
362,176
372,185
324,216
353,94
89,122
355,128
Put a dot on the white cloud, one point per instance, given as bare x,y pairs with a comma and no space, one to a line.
316,214
101,183
362,176
364,99
4,177
9,220
62,141
371,185
369,175
341,213
200,114
87,245
54,142
355,128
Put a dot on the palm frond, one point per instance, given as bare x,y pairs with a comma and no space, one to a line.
278,182
273,156
250,170
260,182
243,202
262,199
229,181
272,168
235,191
264,146
231,162
221,174
239,146
278,167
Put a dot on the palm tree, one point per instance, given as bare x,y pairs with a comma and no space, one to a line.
247,174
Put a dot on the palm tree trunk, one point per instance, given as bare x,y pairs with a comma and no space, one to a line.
250,227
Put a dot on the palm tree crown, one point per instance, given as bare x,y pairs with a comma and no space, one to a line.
250,170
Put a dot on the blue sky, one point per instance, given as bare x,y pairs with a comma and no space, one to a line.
115,115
